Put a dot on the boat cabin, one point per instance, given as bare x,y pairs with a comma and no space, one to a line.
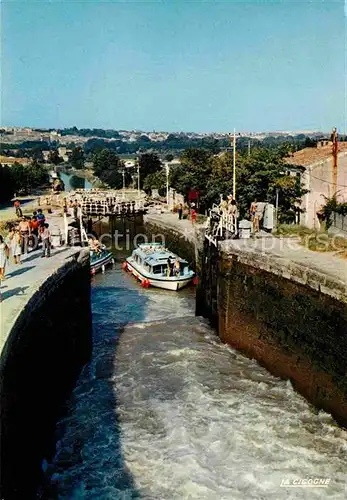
157,260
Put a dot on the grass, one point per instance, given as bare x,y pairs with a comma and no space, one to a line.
293,230
317,241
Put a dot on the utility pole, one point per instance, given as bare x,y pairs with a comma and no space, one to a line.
335,152
249,147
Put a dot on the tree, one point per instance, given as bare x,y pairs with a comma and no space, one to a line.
77,158
7,183
54,157
193,174
157,180
149,164
169,157
258,177
108,168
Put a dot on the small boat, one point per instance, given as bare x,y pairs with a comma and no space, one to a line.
154,265
99,260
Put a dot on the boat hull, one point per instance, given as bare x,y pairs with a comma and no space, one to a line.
97,265
165,284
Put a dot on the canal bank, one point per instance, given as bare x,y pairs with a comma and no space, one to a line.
278,303
45,323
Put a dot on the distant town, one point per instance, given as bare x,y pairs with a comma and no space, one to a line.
61,145
65,136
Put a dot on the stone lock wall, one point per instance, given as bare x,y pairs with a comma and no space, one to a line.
291,320
292,330
47,347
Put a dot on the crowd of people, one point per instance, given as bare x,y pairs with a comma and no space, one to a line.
24,236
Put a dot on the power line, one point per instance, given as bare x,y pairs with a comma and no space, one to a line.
327,182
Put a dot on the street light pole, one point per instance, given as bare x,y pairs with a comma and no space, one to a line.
167,167
123,174
138,178
234,166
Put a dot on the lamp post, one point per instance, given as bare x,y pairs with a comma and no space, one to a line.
277,197
167,168
138,177
234,166
123,174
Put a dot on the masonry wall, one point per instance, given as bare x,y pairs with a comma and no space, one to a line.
318,179
292,320
294,331
46,349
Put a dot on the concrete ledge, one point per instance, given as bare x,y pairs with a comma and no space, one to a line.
33,284
321,272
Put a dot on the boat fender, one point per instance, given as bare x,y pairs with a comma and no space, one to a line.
93,271
195,280
103,268
125,266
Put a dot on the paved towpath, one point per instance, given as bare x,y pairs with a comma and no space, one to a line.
22,280
286,250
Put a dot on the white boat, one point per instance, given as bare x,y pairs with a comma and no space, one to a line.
149,263
98,261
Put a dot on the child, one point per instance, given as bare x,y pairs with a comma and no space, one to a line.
46,240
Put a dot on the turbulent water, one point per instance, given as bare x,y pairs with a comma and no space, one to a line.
165,411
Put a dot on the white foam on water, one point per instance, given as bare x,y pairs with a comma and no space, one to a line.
172,413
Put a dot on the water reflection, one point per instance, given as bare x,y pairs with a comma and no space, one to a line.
73,182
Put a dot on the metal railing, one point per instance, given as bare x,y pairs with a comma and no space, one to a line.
220,225
111,207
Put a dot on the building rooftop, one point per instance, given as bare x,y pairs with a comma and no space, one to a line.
308,156
10,160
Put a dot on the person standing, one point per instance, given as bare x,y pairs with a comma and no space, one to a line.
75,209
34,226
193,215
40,217
180,211
4,252
14,243
46,240
25,231
253,214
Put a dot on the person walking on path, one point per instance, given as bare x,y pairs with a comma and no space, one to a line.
25,231
46,241
4,253
18,209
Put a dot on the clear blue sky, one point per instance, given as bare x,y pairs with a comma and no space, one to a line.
174,65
